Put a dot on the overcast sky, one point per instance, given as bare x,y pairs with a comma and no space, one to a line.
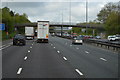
52,10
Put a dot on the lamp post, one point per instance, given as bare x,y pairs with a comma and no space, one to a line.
86,14
70,15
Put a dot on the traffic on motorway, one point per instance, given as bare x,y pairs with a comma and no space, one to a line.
64,39
48,55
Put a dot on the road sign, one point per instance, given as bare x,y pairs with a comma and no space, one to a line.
2,26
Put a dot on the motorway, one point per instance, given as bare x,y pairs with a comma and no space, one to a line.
57,59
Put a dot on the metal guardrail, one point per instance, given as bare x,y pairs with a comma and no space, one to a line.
106,44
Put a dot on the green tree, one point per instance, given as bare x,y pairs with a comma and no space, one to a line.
10,18
106,11
112,24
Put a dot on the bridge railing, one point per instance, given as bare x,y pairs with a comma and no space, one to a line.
64,23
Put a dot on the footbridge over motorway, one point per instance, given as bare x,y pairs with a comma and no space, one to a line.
64,24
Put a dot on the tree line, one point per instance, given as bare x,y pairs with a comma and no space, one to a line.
109,17
10,18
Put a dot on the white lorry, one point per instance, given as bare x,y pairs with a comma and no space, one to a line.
29,32
42,31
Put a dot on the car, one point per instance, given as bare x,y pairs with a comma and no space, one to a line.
111,38
117,37
77,40
98,37
19,39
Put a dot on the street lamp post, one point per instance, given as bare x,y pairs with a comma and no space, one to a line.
70,14
86,14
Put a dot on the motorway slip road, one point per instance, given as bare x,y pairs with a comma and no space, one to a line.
58,59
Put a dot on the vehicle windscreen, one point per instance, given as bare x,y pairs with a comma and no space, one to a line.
78,38
19,36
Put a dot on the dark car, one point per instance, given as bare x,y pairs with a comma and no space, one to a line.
19,39
77,40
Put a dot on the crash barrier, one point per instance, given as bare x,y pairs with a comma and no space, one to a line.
106,44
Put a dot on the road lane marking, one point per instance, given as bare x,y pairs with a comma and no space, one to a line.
32,44
65,58
31,47
28,50
70,45
19,71
53,47
80,73
2,46
58,51
51,44
25,58
87,52
103,59
77,48
5,47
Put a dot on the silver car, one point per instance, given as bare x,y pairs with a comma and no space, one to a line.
77,40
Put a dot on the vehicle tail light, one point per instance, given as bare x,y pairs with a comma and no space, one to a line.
46,35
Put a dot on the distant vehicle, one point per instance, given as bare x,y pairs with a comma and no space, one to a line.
73,35
19,39
53,34
117,37
43,31
114,38
77,40
66,35
111,38
98,37
29,32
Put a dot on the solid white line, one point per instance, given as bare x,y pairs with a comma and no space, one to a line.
86,52
78,72
58,51
25,58
19,71
28,50
65,58
103,59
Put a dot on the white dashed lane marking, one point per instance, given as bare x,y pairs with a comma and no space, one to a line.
87,52
28,50
19,70
58,51
65,58
80,73
25,58
103,59
77,48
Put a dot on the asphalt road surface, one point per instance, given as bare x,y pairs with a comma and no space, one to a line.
58,59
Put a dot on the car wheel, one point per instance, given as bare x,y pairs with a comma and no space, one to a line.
24,44
14,43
